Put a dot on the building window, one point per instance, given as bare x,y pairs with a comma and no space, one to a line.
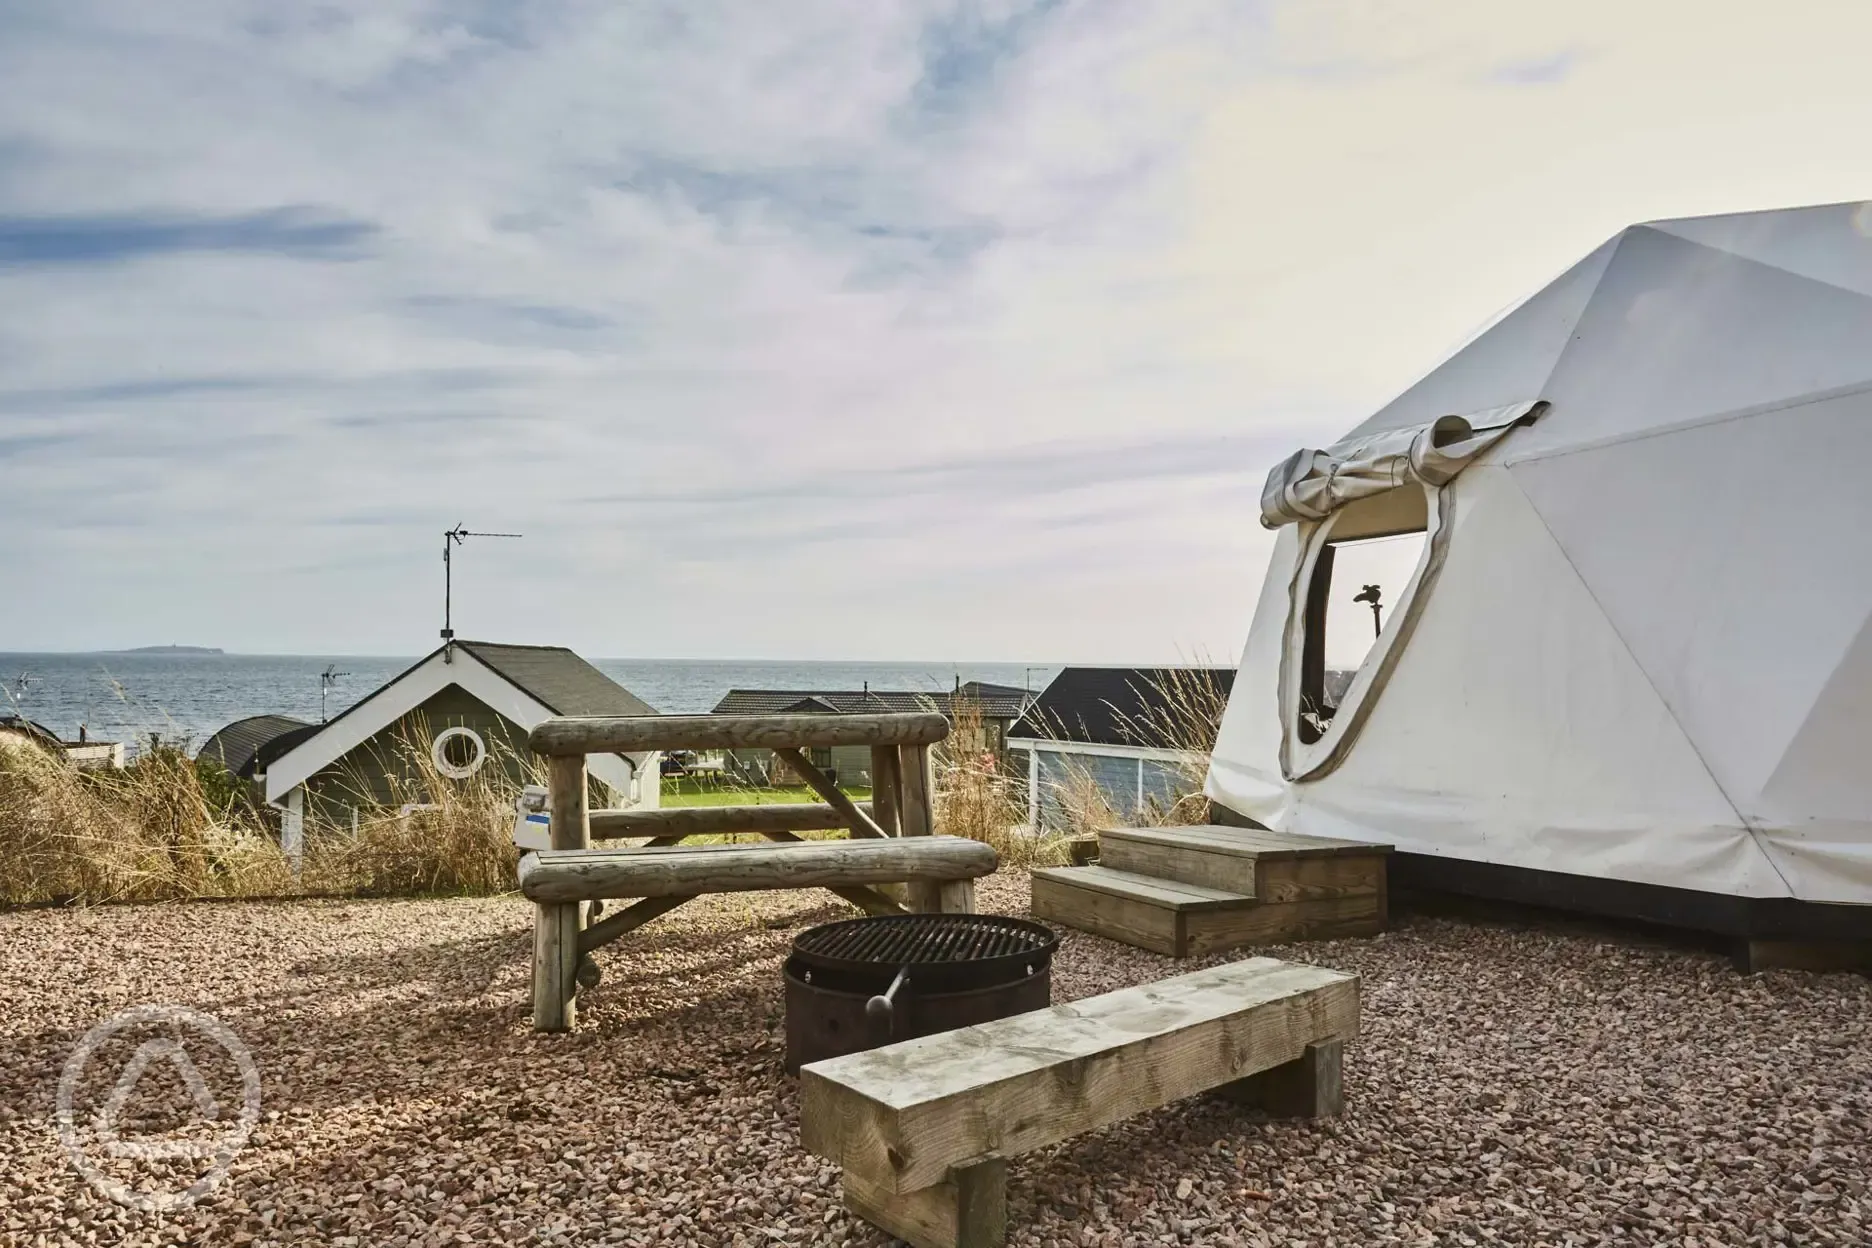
458,752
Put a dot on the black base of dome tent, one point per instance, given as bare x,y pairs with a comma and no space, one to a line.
1759,933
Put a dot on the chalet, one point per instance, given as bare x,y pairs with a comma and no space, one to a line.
1141,735
467,706
246,746
995,707
83,753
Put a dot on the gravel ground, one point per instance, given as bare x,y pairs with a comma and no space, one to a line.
1549,1087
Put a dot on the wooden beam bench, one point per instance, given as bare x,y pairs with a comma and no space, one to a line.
924,1128
561,882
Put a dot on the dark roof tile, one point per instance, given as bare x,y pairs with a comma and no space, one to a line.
559,680
1160,707
247,745
996,701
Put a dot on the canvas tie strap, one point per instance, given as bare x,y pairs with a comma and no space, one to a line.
1312,484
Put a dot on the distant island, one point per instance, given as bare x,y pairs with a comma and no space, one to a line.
167,650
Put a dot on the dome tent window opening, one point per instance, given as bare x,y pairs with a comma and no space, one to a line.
458,753
1366,558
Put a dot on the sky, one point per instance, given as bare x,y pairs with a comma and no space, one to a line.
817,330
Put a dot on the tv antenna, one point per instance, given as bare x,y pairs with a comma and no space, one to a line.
327,678
450,540
1371,594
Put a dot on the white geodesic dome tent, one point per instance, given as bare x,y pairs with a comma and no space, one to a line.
1636,646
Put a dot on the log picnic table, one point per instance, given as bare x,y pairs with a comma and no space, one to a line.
890,840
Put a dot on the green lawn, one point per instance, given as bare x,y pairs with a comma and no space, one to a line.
682,791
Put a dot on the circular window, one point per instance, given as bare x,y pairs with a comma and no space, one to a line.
458,752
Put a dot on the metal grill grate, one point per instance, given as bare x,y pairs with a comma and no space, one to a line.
925,939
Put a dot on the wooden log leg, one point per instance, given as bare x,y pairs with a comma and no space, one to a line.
885,804
604,931
568,803
967,1211
555,965
958,897
884,786
1309,1087
923,897
860,823
918,817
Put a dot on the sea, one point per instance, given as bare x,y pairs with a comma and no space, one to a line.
183,699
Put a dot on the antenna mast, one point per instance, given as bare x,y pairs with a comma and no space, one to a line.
452,538
327,679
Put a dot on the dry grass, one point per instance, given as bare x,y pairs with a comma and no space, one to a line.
165,828
153,831
976,799
438,835
1182,710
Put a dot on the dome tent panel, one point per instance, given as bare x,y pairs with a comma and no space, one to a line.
1730,557
1246,760
1517,729
1508,361
1677,332
1812,814
1829,243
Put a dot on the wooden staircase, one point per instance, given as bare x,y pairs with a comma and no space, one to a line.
1196,890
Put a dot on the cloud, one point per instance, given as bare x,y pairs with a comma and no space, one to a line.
1539,71
302,233
946,327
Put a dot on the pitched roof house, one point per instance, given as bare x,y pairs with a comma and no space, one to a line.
1141,735
246,746
993,701
998,706
466,705
82,753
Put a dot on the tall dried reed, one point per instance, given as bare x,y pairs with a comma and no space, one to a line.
437,834
977,799
152,831
1177,710
168,828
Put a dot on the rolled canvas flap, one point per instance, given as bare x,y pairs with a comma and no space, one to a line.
1312,484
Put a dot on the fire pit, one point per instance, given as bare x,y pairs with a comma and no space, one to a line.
862,983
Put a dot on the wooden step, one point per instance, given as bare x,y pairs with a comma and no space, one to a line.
1184,920
1271,866
1136,909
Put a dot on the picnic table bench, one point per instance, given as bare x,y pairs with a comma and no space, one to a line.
924,1128
892,838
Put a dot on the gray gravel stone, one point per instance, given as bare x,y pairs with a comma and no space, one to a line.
1525,1087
